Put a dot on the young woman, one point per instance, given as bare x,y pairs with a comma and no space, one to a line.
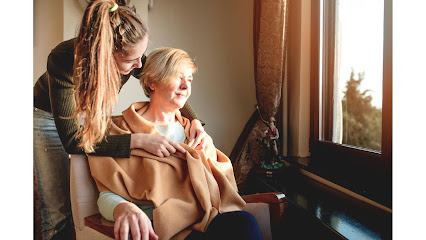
175,187
73,101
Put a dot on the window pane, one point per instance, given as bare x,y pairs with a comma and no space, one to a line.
358,69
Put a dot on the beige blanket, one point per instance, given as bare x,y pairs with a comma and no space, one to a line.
188,190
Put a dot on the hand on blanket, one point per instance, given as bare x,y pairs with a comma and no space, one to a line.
155,144
197,135
129,217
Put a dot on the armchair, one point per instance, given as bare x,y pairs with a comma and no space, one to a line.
267,208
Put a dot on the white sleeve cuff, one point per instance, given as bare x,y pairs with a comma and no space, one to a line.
107,202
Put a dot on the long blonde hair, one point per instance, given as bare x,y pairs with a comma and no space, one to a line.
96,75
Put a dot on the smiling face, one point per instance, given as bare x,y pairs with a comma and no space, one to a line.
176,89
130,57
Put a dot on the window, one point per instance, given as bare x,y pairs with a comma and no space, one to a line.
351,102
355,55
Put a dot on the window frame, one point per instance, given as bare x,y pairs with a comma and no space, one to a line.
366,172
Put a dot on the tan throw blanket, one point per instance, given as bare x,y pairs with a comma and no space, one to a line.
188,190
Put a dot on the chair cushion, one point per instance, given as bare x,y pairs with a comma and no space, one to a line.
83,191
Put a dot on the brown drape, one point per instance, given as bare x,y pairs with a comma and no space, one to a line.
269,35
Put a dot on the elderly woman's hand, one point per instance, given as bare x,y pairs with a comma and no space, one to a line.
197,135
128,217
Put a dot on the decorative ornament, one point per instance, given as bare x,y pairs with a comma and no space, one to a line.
269,143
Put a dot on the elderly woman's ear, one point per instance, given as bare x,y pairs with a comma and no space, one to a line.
151,86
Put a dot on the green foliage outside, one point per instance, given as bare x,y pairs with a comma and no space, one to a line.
362,122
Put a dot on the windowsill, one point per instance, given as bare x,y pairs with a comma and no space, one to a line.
351,178
335,212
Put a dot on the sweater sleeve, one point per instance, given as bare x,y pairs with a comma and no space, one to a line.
107,202
189,113
62,104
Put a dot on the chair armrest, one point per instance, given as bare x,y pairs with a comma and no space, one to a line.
100,224
269,197
277,202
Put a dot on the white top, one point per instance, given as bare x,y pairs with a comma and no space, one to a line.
174,131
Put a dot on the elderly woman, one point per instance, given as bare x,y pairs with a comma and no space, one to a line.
191,195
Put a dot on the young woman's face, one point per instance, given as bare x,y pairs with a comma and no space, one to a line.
177,90
131,59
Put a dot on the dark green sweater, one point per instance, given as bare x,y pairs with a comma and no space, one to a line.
54,93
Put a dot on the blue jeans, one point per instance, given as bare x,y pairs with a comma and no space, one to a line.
51,168
237,225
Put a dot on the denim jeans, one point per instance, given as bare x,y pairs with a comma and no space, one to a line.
51,168
236,225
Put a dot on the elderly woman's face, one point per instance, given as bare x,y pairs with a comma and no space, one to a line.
176,91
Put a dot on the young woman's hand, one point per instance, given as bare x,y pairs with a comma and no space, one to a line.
197,135
131,219
155,144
